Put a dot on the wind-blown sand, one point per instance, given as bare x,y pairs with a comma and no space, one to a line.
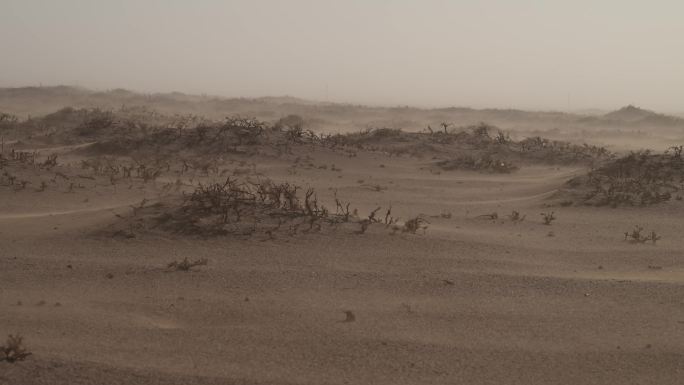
471,301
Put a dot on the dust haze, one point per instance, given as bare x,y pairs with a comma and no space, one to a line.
318,192
494,54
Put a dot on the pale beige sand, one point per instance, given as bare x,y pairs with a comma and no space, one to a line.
472,301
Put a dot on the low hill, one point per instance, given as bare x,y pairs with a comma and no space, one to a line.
629,123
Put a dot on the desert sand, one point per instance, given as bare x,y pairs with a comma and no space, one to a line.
468,300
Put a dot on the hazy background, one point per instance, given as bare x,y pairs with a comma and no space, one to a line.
567,55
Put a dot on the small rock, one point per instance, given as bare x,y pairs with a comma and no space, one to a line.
350,316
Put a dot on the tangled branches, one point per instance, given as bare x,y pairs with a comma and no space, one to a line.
639,178
14,349
635,236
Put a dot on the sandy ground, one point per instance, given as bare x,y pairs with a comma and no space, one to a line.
471,301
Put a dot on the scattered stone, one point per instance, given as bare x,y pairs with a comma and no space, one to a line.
350,316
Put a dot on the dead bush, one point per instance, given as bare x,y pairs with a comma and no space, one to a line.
548,217
516,217
636,236
637,179
414,224
14,349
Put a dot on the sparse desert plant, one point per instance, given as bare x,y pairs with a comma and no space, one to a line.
7,119
342,208
23,184
364,223
516,217
502,138
186,264
414,224
14,349
50,162
444,126
636,236
289,121
654,237
368,221
639,178
676,151
248,207
371,216
389,219
548,217
246,130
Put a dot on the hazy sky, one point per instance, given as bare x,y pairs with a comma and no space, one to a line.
500,53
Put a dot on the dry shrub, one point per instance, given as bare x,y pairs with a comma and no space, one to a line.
639,178
245,207
548,217
414,224
516,217
635,236
14,349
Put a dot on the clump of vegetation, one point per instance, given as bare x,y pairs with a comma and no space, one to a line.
548,217
476,147
636,236
186,264
7,120
95,120
247,207
414,224
240,206
516,217
14,349
637,179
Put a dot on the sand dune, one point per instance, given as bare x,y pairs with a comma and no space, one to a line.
471,300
